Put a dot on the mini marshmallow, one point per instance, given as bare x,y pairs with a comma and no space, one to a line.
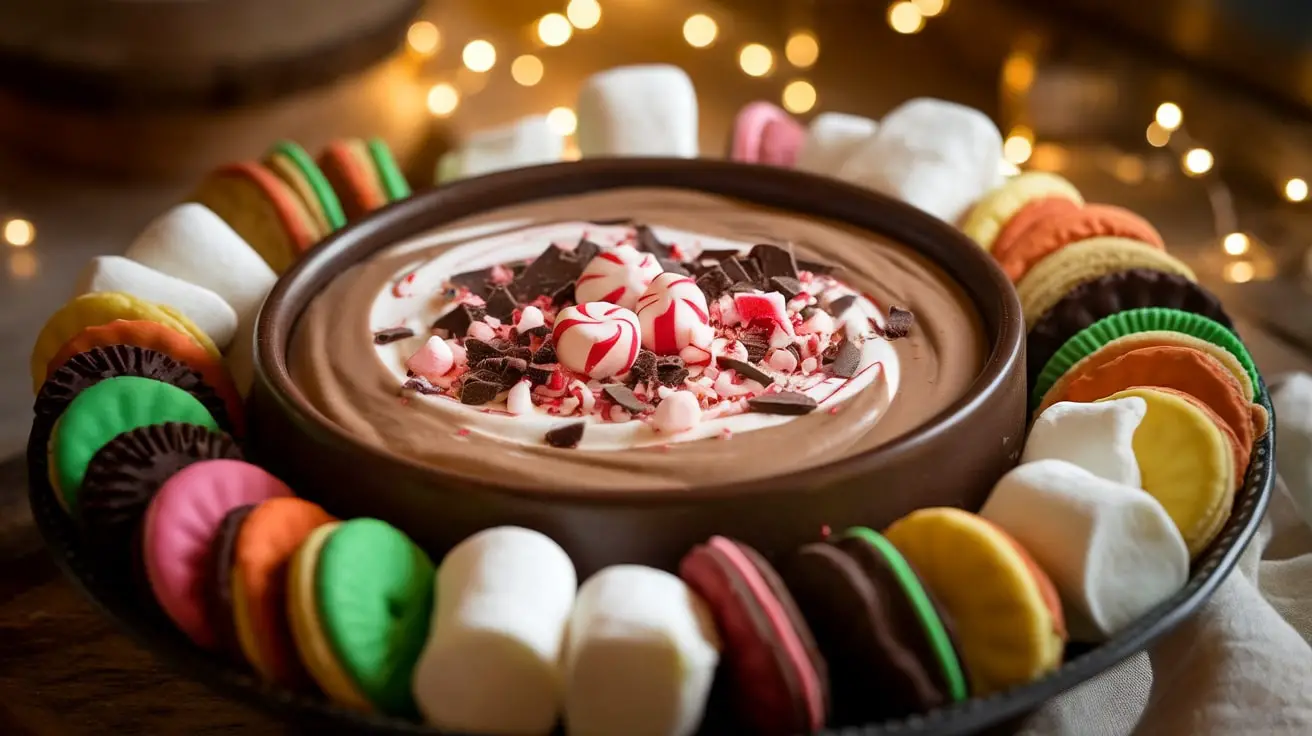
938,156
597,339
529,319
640,656
520,399
480,330
672,314
642,110
1111,550
526,142
433,360
782,360
617,275
678,412
1097,437
202,306
831,139
191,243
503,600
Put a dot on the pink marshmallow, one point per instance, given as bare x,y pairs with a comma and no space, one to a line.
480,331
763,133
432,361
782,360
678,412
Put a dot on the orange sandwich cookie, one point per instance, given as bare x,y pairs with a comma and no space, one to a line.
1029,215
1005,610
1053,233
297,168
266,542
997,208
263,210
364,175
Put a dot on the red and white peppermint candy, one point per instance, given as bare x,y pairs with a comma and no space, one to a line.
618,275
673,314
597,339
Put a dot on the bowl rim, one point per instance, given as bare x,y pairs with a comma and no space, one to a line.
968,265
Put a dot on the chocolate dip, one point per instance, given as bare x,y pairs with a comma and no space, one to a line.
334,364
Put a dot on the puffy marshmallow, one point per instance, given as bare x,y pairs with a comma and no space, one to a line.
432,360
673,314
1097,437
192,243
642,110
241,354
641,655
831,139
490,665
202,306
597,339
617,275
525,142
1110,549
764,133
938,156
678,412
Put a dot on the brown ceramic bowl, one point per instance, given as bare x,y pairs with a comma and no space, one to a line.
951,460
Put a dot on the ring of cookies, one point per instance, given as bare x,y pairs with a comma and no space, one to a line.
1147,409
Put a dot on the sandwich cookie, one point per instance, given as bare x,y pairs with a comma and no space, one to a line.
192,243
373,601
764,134
1031,214
640,655
1111,550
889,648
315,651
526,142
1107,295
504,598
995,209
364,175
830,140
129,345
1097,438
1055,276
298,170
1187,464
102,412
91,310
203,307
267,538
641,110
263,210
1051,234
780,682
178,534
223,556
1005,610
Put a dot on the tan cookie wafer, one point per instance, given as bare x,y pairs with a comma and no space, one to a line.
1054,233
996,208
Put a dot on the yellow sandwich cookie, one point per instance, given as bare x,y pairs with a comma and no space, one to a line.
1186,463
987,218
91,310
1004,609
1053,277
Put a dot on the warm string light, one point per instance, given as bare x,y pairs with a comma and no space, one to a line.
1296,190
799,96
562,121
23,264
479,55
554,29
700,31
904,17
1197,161
583,14
802,49
423,38
1019,145
756,60
443,99
1236,244
1018,72
526,70
19,232
1157,135
1169,116
1239,272
930,8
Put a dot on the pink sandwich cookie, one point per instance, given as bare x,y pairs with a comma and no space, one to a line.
178,537
764,134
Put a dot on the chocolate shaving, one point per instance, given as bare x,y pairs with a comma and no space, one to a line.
625,397
741,270
477,393
476,281
507,370
546,353
790,403
774,261
742,287
477,350
392,334
613,221
757,342
714,282
566,437
841,304
716,255
847,360
540,375
744,369
456,321
647,242
421,385
831,352
670,370
526,337
562,296
815,267
644,367
672,265
483,376
518,351
500,303
786,285
898,324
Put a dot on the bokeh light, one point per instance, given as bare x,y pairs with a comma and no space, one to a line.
554,29
19,232
756,60
1239,272
930,8
1236,244
423,38
905,17
584,14
1295,190
23,264
443,99
479,55
1018,72
562,121
802,49
799,96
1157,135
1197,161
526,70
1169,116
700,31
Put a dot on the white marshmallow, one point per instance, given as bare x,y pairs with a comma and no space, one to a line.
1097,437
640,656
938,156
1111,550
192,243
202,306
678,412
525,142
831,139
642,110
241,354
490,665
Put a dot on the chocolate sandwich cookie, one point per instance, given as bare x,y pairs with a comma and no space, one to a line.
1111,294
887,643
124,475
223,556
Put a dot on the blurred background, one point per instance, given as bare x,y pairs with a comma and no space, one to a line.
1193,112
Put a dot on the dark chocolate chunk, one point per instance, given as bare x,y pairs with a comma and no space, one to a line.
566,436
742,287
500,303
564,295
625,397
744,369
421,385
553,270
540,374
807,312
219,592
585,251
815,267
477,350
613,221
847,360
456,321
644,367
714,282
716,255
796,351
842,304
647,242
672,265
670,370
526,337
518,351
477,393
476,281
898,324
507,370
830,353
483,376
392,334
739,269
792,403
786,285
757,342
774,261
546,353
